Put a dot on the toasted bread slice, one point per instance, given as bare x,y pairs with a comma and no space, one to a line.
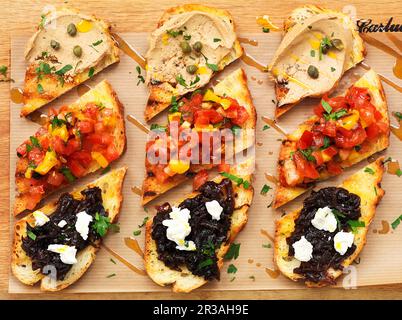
293,25
185,281
369,80
234,86
21,265
41,88
161,93
101,93
368,188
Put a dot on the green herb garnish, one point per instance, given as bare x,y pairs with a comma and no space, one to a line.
217,40
39,88
396,223
3,70
31,235
369,170
265,29
173,33
64,70
111,275
144,221
233,252
312,53
236,130
238,180
398,115
205,263
97,43
56,122
265,189
139,76
91,72
112,261
266,127
267,245
232,268
354,224
212,66
307,153
136,232
101,224
158,128
35,141
67,174
326,106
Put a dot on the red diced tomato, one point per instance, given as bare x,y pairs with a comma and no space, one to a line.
330,129
358,136
318,139
99,127
306,140
36,155
55,178
318,157
22,149
334,168
84,157
241,117
223,167
72,146
304,167
76,168
85,126
330,151
372,131
111,153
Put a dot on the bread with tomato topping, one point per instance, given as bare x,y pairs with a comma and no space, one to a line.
364,184
74,141
234,86
333,159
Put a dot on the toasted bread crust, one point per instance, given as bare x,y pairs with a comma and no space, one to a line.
185,281
109,96
21,265
160,95
234,86
369,80
34,100
368,188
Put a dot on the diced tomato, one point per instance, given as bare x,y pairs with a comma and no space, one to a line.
91,110
200,178
55,178
44,141
22,150
358,136
330,152
318,139
72,146
59,145
241,117
306,140
330,129
367,114
318,157
337,103
377,115
223,167
231,112
345,132
202,117
84,157
85,126
32,199
356,97
344,153
36,155
111,153
39,189
372,131
159,173
319,110
334,168
96,138
304,167
76,168
99,127
196,100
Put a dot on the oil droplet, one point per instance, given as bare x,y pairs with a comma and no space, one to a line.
133,245
125,262
130,51
258,264
260,82
84,26
82,89
374,230
274,125
253,78
385,227
16,95
250,261
273,273
249,60
260,144
265,21
138,123
248,41
397,69
137,190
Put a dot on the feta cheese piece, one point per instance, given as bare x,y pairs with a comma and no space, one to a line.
214,209
40,218
343,241
324,219
67,253
303,249
62,223
82,224
178,228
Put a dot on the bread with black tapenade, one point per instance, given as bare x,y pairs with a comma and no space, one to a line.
355,199
31,265
176,266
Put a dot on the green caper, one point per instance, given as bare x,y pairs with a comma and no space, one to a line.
324,48
72,29
77,50
312,72
191,69
337,44
185,47
55,45
197,46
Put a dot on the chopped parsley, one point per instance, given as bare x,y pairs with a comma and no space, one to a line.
43,69
139,76
354,224
398,115
180,80
266,246
158,128
67,174
333,69
398,173
327,143
369,170
336,115
42,21
31,235
174,105
252,278
217,40
232,269
205,263
266,127
312,53
212,66
34,141
56,122
111,275
144,221
91,72
233,252
97,43
326,106
396,223
136,232
236,130
187,37
307,153
196,80
106,170
102,224
265,30
64,70
112,261
265,189
238,180
3,70
39,88
173,33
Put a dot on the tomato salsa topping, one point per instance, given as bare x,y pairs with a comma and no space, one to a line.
200,112
343,128
65,148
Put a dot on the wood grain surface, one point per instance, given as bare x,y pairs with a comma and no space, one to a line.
20,17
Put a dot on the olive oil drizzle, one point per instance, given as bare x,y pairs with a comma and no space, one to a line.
16,95
125,262
133,245
129,50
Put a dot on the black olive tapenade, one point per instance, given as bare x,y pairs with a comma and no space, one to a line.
51,233
207,234
347,207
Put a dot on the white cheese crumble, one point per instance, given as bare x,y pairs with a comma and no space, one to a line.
178,228
214,209
82,224
343,241
67,253
62,223
303,249
40,218
324,219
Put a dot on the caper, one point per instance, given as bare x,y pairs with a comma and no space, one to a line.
185,47
72,29
324,48
197,46
55,45
77,51
337,44
191,69
312,72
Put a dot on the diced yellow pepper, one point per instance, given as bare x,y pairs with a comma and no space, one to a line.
325,157
211,96
165,39
202,70
109,121
225,103
28,173
60,131
174,116
179,166
100,159
350,121
48,163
